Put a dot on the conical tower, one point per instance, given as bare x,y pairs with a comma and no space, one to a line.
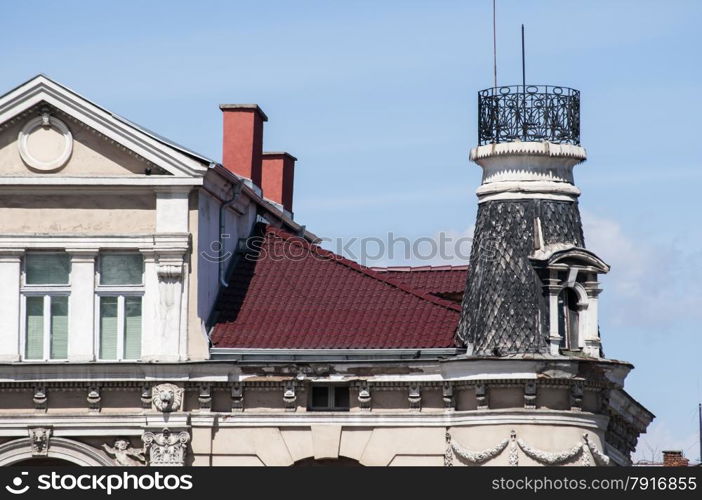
532,286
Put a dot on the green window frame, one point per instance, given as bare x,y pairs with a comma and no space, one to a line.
119,306
45,305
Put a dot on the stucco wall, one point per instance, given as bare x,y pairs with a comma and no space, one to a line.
89,213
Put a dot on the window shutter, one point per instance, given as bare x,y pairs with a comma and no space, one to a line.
108,327
59,327
35,328
132,328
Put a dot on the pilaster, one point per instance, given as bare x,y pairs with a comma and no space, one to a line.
10,276
81,305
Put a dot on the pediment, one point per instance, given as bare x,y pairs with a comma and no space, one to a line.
46,128
569,255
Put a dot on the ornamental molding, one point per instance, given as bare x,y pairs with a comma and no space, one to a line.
585,449
159,243
40,398
550,458
169,273
165,448
513,190
45,121
94,398
167,398
204,397
482,418
448,396
364,395
414,397
237,393
289,396
600,457
18,450
473,457
530,148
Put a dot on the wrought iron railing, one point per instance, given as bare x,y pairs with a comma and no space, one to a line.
529,113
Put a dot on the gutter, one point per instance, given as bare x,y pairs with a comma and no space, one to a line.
266,205
330,355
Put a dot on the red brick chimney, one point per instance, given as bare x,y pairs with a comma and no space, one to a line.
674,459
242,145
278,177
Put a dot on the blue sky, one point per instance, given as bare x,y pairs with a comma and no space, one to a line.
378,102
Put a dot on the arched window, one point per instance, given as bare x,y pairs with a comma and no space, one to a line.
568,318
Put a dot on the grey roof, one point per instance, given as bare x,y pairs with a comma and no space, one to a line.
504,307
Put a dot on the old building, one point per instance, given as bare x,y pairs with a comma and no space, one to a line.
158,307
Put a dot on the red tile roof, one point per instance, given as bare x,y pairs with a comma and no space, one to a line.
292,294
431,279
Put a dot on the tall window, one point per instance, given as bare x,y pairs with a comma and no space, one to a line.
45,291
568,318
120,290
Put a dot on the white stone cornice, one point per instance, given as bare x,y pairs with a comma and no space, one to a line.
527,170
429,419
527,189
177,243
528,148
75,182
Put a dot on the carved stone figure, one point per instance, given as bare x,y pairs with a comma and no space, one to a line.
122,452
39,439
167,397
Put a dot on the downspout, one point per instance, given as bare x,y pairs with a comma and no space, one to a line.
236,190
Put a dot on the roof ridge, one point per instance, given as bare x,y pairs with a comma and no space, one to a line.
355,266
443,267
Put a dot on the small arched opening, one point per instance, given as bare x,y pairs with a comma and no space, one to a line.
568,319
43,462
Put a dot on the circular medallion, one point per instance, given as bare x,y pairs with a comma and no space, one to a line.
45,143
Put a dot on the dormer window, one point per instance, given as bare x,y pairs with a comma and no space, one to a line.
45,292
569,275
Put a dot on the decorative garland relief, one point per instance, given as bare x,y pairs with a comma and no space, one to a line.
585,449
